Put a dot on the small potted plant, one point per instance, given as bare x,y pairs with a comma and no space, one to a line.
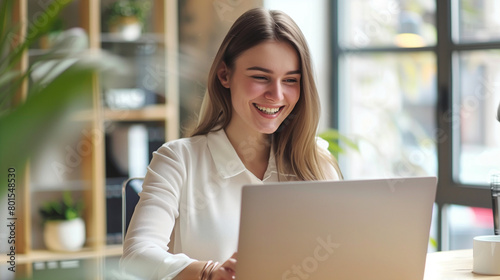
127,17
64,228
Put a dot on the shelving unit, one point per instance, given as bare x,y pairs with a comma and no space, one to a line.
150,113
87,253
88,178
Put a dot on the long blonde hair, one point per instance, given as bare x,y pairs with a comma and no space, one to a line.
294,142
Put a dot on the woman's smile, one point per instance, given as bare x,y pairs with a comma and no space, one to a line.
268,111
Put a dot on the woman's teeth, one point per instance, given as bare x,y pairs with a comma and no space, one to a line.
269,111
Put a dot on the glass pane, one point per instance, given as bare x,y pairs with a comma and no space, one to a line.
476,20
388,104
478,95
433,234
464,223
401,23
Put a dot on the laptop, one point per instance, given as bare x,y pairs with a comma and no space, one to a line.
363,229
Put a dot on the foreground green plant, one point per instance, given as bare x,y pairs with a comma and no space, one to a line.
26,126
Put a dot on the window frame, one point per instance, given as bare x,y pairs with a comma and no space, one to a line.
449,190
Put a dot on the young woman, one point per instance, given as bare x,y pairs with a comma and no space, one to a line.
257,125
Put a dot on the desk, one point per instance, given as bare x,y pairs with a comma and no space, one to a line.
451,265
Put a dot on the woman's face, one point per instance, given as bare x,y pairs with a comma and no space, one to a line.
264,85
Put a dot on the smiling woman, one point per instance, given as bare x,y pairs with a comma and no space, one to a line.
264,88
264,95
257,125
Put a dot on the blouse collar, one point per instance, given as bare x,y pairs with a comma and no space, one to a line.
226,159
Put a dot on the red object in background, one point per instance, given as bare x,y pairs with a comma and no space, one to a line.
483,217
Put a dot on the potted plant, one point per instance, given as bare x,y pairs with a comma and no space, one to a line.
64,228
127,17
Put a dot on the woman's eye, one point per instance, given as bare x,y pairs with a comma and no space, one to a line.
262,78
290,80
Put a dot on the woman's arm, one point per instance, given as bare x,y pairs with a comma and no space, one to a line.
225,271
145,250
191,272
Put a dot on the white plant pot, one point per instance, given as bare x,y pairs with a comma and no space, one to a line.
64,235
128,28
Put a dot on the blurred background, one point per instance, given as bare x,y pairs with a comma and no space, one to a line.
413,83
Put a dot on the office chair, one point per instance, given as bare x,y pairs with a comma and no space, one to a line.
498,113
130,197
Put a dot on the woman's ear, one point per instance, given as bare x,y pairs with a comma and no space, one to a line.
223,75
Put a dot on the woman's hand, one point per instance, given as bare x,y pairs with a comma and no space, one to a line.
225,271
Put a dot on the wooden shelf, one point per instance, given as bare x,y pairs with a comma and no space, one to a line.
85,151
147,38
85,253
73,185
149,113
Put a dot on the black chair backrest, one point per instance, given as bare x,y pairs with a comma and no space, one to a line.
130,197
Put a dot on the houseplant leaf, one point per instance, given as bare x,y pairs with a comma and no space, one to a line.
26,127
334,139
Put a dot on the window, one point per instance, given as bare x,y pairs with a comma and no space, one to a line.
476,91
416,83
387,87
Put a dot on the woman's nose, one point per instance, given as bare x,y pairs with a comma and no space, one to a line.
275,91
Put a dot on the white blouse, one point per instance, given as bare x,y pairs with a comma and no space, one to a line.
192,189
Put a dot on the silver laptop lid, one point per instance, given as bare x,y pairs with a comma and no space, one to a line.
366,229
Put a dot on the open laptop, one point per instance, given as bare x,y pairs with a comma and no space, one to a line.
366,229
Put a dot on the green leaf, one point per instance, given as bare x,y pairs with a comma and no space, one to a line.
29,125
5,18
71,214
8,81
25,128
334,139
43,108
34,32
65,209
433,243
67,199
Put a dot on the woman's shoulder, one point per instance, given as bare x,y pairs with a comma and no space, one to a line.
187,141
328,162
186,144
322,144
